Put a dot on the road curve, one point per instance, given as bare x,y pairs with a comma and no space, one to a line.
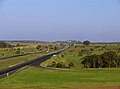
35,61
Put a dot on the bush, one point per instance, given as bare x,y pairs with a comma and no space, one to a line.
18,49
18,52
62,56
3,54
80,53
91,49
22,52
53,64
60,65
71,65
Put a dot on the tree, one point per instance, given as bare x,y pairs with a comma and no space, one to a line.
39,47
86,42
18,45
92,61
86,62
55,48
109,59
106,60
99,63
51,46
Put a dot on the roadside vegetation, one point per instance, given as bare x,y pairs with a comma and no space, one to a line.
87,55
23,48
13,48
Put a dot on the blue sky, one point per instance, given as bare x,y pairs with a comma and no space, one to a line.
50,20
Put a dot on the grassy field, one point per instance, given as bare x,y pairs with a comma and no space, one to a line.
37,78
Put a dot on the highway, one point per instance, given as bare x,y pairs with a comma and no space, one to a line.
18,55
37,61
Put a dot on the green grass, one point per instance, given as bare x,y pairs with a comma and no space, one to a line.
35,78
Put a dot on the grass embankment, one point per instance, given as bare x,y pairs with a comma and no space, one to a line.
35,78
68,57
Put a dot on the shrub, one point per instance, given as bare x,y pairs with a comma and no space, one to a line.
18,52
91,49
60,65
62,56
80,53
22,52
18,49
71,65
53,64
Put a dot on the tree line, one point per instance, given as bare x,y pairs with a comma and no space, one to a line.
5,45
108,59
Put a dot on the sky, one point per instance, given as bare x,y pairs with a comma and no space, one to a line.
53,20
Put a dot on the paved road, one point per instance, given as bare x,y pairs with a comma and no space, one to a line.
18,55
37,61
